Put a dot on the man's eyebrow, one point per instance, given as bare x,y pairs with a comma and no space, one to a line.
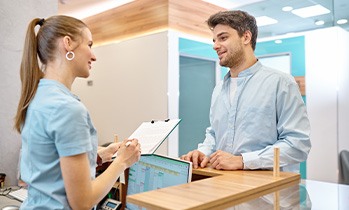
220,34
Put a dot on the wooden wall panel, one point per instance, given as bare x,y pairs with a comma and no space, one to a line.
149,16
129,20
190,16
301,83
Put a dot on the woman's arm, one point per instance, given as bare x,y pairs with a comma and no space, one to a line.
84,193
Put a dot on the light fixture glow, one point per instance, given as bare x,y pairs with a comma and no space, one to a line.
319,22
265,20
311,11
96,8
342,21
287,8
229,4
278,41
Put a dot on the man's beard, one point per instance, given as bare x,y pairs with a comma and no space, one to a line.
233,60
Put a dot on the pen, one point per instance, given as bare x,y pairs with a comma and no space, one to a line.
128,143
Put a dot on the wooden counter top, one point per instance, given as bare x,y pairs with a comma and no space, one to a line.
213,189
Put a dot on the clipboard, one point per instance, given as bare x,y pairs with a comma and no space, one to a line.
151,134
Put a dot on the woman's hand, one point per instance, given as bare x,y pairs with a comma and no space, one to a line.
106,153
129,152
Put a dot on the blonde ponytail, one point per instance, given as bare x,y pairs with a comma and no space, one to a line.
30,74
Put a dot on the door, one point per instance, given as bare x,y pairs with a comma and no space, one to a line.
197,78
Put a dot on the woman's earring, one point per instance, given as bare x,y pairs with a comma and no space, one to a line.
70,56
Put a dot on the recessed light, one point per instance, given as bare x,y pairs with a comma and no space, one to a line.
265,20
342,21
311,11
278,41
287,8
319,22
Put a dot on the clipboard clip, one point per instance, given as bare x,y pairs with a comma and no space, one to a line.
153,121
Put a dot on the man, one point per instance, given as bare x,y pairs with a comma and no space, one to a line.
254,108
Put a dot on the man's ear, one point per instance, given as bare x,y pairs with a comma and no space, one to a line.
247,37
68,43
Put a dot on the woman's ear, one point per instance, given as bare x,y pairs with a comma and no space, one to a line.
68,43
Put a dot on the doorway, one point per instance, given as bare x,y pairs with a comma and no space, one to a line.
197,79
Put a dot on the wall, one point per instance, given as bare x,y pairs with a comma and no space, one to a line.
343,87
327,87
129,86
15,16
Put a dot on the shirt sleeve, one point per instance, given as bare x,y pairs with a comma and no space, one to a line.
207,147
293,129
69,128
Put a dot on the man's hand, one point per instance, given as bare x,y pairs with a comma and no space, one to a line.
197,158
226,161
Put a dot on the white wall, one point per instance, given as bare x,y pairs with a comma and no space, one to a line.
15,16
343,90
129,86
327,88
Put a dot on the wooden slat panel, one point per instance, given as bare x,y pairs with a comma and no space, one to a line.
129,20
190,16
149,16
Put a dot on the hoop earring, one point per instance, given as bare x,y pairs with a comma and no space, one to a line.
70,54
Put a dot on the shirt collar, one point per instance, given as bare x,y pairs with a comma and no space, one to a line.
247,72
44,82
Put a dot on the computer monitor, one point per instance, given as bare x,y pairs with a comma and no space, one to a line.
153,172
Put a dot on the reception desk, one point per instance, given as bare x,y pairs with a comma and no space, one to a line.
217,189
308,194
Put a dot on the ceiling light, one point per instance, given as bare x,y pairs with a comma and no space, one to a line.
287,9
342,21
311,11
319,22
265,20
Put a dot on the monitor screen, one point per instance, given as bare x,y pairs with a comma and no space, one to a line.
154,171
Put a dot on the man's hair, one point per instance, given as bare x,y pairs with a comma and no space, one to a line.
239,20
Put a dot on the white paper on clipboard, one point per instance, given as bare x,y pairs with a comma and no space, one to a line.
151,134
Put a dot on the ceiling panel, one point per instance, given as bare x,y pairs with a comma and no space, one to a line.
287,21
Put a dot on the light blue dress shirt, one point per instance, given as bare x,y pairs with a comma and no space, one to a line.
266,112
57,125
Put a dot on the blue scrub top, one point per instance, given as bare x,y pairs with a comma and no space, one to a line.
57,125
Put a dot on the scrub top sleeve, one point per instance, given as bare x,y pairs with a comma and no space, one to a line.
70,129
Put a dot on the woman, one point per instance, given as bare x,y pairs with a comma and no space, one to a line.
59,141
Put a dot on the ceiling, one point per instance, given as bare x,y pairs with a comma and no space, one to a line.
287,21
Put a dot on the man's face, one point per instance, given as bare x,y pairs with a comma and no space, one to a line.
228,45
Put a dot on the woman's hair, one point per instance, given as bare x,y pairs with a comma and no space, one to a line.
239,20
42,46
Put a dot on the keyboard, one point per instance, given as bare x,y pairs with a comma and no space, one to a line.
20,194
